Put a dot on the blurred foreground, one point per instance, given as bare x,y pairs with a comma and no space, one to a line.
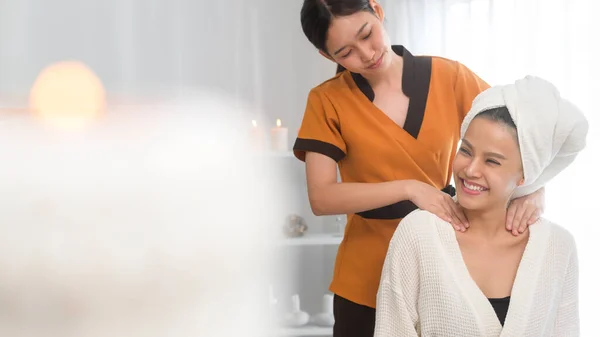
151,222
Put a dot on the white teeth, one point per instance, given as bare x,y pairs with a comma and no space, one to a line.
472,187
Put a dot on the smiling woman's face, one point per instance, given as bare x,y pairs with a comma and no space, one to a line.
488,166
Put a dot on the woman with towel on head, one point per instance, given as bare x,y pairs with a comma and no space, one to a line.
486,282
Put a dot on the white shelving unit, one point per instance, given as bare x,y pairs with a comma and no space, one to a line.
276,154
317,239
309,330
286,154
308,239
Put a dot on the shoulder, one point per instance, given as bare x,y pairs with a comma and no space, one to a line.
445,65
423,219
419,238
421,226
418,216
559,238
332,85
333,95
453,69
320,97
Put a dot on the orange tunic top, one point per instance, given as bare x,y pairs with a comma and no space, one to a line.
342,122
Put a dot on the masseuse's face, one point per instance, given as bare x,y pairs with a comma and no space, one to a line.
488,166
359,42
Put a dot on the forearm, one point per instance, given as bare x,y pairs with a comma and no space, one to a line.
345,198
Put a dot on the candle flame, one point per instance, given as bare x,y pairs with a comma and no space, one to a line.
278,122
254,123
67,95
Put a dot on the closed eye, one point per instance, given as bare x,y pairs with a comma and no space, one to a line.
368,35
465,151
346,55
493,162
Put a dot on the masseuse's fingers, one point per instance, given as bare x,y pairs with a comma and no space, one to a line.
445,214
443,211
458,215
427,197
529,217
535,217
510,215
516,221
519,217
441,207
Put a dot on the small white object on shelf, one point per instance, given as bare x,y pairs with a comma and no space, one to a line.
297,317
272,299
314,239
325,318
279,138
274,314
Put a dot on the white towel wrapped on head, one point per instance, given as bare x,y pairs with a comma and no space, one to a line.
551,130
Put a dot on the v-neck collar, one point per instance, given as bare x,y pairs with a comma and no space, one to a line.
416,77
521,297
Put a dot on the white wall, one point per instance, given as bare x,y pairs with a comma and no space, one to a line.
139,46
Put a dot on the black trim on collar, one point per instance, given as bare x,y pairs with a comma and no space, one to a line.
364,86
313,145
416,77
398,210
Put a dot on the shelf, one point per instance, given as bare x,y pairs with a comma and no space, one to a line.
314,239
274,154
309,330
283,154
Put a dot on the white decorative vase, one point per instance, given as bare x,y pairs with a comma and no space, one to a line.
325,318
297,317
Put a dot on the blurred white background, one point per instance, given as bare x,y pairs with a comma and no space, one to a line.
256,54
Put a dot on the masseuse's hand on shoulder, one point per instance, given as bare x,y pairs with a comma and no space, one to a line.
525,211
429,198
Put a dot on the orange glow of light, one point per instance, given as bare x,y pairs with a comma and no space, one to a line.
278,122
67,95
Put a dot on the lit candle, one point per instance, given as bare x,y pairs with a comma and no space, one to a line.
279,137
256,136
68,95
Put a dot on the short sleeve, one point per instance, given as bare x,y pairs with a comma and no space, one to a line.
468,85
320,129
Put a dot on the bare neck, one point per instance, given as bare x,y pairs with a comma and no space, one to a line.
490,224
